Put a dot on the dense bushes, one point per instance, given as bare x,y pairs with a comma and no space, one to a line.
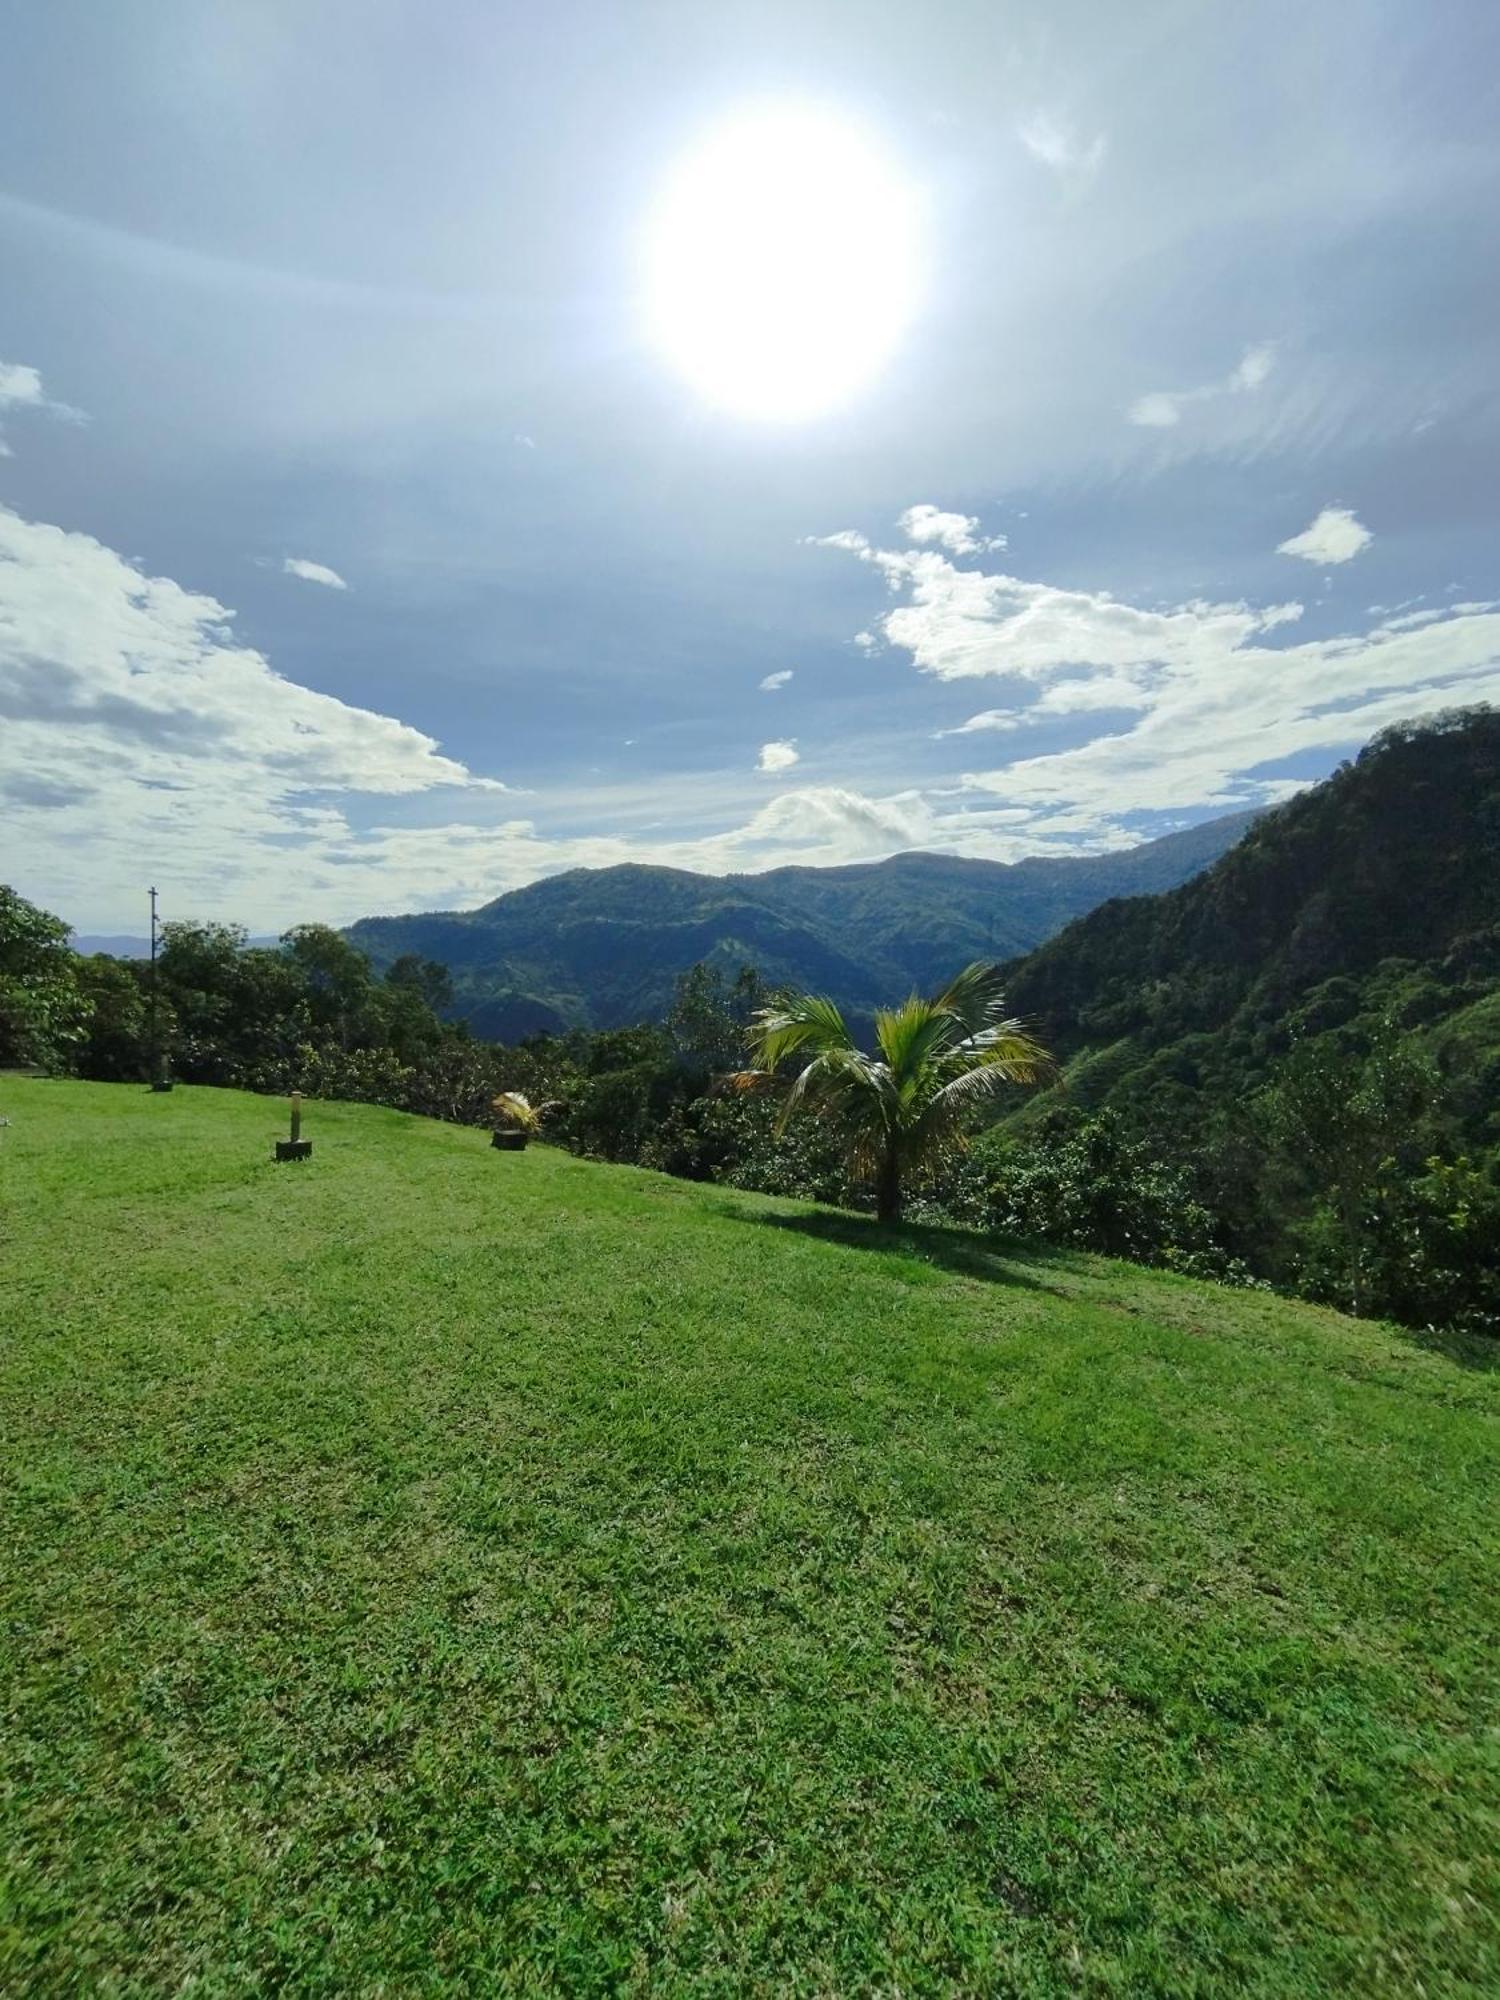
1342,1175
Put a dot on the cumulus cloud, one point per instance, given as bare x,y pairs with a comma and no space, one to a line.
138,729
1334,537
958,533
1218,696
1162,409
777,756
314,572
773,681
21,389
1057,144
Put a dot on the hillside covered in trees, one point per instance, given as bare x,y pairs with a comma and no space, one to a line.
602,947
1372,897
1286,1070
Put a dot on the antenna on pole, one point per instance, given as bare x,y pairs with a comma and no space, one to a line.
160,1080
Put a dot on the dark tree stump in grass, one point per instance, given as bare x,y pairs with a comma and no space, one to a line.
508,1142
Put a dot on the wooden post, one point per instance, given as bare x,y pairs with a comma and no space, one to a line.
295,1148
161,1076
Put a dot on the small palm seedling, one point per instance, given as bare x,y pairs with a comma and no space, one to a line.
938,1061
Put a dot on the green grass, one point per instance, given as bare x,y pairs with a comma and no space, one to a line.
430,1569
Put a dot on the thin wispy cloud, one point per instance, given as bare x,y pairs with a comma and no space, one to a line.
1334,537
1056,143
314,572
1161,409
774,681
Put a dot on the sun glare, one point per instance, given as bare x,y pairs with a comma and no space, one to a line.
783,263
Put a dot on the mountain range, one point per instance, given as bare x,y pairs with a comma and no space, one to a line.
600,948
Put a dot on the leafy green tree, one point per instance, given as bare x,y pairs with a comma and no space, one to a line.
939,1061
1089,1183
338,981
43,1013
1340,1119
430,981
114,1049
710,1015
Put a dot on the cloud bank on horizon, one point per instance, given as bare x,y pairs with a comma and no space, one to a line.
1178,489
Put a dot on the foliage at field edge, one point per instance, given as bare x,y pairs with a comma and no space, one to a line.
1337,1133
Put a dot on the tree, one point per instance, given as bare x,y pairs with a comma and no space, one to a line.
710,1014
939,1060
1340,1120
337,979
115,1048
43,1015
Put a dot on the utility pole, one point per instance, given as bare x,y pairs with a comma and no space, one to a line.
159,1078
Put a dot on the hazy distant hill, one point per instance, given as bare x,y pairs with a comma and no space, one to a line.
599,947
118,946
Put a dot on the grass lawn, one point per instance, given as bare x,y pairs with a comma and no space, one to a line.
429,1569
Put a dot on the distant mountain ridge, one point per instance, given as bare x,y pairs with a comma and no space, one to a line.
603,947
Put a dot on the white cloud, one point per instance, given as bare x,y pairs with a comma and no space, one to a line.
866,641
314,572
1162,409
996,719
142,741
1218,703
958,533
21,389
773,681
1255,365
1334,537
1056,144
777,756
138,731
19,385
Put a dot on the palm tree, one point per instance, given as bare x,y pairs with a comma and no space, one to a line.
938,1060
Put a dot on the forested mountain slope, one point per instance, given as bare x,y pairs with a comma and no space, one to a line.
1374,896
602,947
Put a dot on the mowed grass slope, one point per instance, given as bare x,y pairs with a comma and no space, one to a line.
429,1569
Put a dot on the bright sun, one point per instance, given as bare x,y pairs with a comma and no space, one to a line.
782,263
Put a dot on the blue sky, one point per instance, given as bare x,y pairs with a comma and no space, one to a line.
363,548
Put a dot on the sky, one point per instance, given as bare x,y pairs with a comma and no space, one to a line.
393,508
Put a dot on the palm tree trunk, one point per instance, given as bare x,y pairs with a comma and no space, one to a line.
888,1187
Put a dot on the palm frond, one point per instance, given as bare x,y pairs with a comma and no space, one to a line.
845,1082
1008,1046
911,1035
974,998
797,1022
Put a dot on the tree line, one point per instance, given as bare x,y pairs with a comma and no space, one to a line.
1335,1173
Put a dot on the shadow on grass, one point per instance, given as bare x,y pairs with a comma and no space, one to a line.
1477,1351
971,1255
957,1250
